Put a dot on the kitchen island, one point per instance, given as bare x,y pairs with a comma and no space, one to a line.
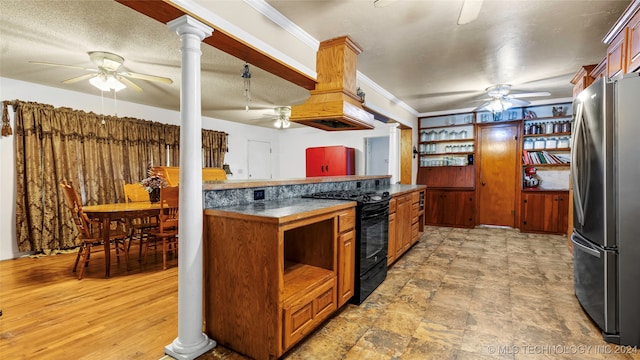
276,267
275,270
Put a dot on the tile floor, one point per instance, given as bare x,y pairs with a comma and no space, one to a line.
481,293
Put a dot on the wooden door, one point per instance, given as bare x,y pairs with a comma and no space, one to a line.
433,211
464,208
616,55
391,253
497,178
346,267
633,45
403,224
537,212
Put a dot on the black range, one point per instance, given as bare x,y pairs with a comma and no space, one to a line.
372,237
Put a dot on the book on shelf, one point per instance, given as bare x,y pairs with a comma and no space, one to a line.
544,158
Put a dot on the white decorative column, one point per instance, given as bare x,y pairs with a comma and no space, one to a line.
394,153
191,341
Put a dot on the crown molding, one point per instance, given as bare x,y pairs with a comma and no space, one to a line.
389,96
274,15
221,23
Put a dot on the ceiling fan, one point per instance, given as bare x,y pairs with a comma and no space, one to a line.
107,76
281,118
500,100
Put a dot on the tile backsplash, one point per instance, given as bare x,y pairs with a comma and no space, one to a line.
229,197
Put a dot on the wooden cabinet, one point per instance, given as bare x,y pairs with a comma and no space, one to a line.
582,79
393,232
447,176
623,40
633,45
599,71
302,314
346,256
403,227
545,212
450,208
272,275
406,213
617,56
330,161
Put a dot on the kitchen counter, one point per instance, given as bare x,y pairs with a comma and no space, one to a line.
281,211
399,189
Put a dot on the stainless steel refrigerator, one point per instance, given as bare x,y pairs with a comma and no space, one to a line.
605,173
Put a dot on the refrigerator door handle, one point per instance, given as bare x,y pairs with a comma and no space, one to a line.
575,178
581,244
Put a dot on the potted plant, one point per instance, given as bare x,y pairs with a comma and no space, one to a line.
153,183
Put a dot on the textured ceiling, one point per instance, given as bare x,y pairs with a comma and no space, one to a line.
413,49
48,31
416,51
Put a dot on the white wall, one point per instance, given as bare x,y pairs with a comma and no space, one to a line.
293,143
12,89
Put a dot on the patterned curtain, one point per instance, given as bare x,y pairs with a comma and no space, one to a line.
214,146
97,154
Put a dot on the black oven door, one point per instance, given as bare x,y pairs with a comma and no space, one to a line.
374,234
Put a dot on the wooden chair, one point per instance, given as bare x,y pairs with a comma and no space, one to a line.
89,232
167,231
137,228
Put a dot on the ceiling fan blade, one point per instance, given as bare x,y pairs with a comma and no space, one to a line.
78,78
530,94
485,99
129,83
382,3
482,107
62,65
469,11
146,77
518,102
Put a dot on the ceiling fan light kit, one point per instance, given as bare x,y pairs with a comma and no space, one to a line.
500,100
107,83
108,75
283,113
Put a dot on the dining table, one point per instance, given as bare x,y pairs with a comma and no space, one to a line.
116,211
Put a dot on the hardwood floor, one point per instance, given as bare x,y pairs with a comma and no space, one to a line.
48,314
458,294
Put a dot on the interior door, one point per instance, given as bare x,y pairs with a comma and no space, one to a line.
497,184
259,159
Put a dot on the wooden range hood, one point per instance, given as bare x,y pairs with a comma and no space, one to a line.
334,105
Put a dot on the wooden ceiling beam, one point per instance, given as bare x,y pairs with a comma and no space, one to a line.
165,12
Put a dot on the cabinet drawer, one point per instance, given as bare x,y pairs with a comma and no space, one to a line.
392,205
346,221
415,210
303,314
415,197
414,232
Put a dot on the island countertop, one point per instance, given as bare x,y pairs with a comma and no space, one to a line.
281,211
